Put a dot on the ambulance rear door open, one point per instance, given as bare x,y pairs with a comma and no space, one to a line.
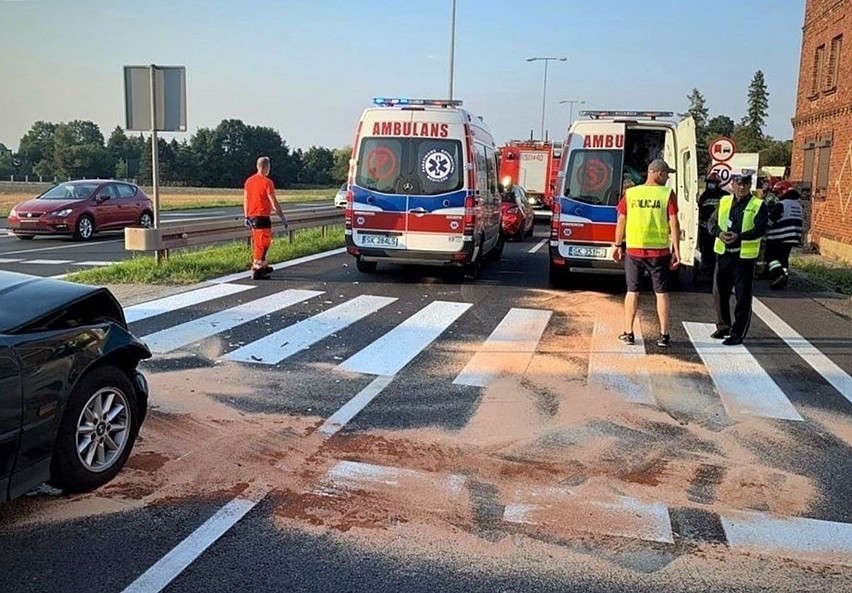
687,189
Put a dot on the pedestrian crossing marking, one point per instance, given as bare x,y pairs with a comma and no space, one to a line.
181,301
9,260
508,350
613,364
49,262
282,344
353,407
390,353
193,331
745,387
822,364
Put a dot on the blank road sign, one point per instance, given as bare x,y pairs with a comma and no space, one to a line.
170,106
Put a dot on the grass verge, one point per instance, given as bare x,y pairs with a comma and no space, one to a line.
197,265
836,277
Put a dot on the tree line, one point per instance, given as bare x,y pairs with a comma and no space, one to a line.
747,134
225,155
219,157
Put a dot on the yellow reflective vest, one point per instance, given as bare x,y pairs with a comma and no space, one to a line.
748,249
647,217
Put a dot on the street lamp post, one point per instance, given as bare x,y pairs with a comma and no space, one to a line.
544,89
452,46
571,102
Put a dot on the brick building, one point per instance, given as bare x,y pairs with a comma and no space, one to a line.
822,126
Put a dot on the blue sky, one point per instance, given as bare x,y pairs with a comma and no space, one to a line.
308,67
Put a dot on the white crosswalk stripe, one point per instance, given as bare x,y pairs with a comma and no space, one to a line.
181,301
190,332
616,366
745,388
275,347
390,353
509,348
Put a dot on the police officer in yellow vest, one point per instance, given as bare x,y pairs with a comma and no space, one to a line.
646,238
739,225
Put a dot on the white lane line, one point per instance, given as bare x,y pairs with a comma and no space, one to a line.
822,364
620,516
162,573
281,266
9,260
791,537
351,408
745,387
284,343
390,353
49,262
94,263
196,330
538,246
181,301
508,350
356,476
618,367
71,246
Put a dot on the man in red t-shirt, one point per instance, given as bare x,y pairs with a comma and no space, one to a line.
646,238
258,202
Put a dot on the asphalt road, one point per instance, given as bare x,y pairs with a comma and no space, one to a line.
327,430
55,256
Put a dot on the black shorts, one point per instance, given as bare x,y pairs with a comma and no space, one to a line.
260,222
658,268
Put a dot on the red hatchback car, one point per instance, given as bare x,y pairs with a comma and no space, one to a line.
82,208
518,215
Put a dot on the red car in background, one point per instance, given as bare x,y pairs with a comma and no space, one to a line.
82,208
518,215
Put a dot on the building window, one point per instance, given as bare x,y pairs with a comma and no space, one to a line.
833,64
808,166
817,73
823,146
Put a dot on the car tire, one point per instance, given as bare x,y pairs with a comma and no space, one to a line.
558,276
365,267
146,220
25,237
85,228
93,445
497,252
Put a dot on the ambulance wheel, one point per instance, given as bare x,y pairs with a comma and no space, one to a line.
474,268
558,276
366,267
497,252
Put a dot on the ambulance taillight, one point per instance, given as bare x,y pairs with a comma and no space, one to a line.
469,215
554,221
348,211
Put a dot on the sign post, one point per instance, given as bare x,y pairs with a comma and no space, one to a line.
155,100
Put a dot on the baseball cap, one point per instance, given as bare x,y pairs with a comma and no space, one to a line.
660,165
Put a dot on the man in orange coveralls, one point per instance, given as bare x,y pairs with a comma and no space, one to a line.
258,201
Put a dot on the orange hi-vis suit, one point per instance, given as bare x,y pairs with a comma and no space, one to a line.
258,188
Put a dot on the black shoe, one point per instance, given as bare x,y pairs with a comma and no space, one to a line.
627,338
779,283
721,334
733,341
664,341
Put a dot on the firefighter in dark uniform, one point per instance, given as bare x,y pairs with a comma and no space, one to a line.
708,201
739,224
784,231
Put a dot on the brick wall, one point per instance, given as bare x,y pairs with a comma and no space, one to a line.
823,120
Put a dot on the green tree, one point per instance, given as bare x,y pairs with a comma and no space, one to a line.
758,105
699,112
317,166
721,125
8,166
748,139
777,153
79,151
340,170
36,149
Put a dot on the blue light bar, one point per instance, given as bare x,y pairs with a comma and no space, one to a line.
598,114
396,101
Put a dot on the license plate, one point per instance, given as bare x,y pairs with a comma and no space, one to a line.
381,240
590,252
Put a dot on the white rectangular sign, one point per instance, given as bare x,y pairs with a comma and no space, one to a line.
170,98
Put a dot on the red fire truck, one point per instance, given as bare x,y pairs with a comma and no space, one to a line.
534,165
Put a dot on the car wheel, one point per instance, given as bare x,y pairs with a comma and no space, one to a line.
25,237
98,429
146,220
85,228
366,267
558,276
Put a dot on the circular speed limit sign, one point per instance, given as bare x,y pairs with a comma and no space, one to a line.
723,170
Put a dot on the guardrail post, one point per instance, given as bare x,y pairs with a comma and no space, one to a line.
292,236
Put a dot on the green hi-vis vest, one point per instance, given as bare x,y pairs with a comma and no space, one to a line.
748,249
647,217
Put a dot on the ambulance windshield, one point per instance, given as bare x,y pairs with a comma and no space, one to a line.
411,166
595,177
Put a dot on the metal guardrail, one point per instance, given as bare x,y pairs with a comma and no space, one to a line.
225,228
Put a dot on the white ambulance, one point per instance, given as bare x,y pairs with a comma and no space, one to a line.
602,156
423,187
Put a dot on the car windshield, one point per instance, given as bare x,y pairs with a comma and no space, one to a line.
594,177
69,191
413,166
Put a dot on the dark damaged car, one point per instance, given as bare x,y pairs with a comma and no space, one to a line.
71,398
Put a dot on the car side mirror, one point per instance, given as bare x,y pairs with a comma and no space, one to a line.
101,198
